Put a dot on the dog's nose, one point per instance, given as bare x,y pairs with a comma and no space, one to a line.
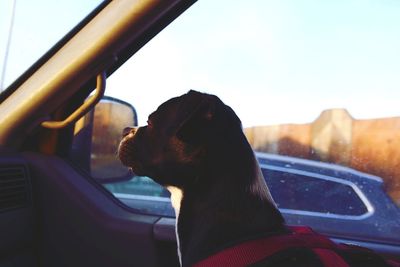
126,131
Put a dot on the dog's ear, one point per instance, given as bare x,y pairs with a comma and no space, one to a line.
199,110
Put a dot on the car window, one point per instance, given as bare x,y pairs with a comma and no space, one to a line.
312,79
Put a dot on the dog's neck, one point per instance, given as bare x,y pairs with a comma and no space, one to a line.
208,220
176,199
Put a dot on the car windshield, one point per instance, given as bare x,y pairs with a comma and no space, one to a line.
28,29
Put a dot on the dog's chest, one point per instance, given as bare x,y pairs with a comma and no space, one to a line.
176,198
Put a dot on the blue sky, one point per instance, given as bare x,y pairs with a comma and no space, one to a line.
272,61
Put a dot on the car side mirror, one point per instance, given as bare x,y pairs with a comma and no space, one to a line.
97,136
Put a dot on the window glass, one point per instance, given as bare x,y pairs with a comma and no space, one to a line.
305,193
316,80
30,28
310,79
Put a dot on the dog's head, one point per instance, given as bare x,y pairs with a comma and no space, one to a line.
174,143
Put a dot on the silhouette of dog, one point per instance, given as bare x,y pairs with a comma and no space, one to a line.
195,147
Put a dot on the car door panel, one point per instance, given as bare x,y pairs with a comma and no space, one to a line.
79,224
16,213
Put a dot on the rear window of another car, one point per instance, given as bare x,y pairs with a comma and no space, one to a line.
322,195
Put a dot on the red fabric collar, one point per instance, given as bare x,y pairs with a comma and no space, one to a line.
253,251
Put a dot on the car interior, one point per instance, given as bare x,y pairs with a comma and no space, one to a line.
53,209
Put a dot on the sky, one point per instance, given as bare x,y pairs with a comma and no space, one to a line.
37,26
272,61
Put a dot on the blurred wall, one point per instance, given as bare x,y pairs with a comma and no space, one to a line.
371,146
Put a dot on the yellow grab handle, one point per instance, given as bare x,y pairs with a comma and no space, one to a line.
82,110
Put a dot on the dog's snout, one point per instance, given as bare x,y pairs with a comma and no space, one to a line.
127,130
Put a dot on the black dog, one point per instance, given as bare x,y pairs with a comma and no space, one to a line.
195,147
